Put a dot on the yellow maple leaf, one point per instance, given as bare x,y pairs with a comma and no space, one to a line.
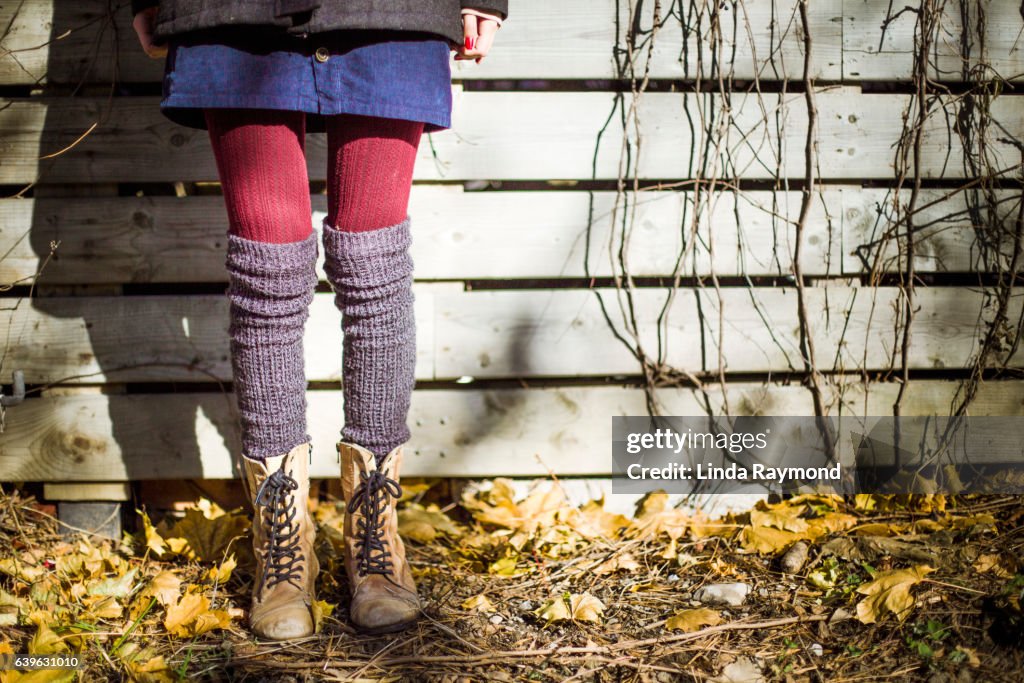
507,566
192,616
46,642
206,539
423,524
783,516
689,620
623,562
222,572
165,587
575,607
889,592
117,586
210,509
497,506
154,541
766,539
154,670
19,569
101,607
321,610
480,603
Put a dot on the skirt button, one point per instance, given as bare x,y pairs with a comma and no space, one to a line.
322,54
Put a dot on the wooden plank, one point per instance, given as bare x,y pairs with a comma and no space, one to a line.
472,433
563,332
143,338
501,334
954,231
872,53
538,234
572,39
513,135
456,235
87,491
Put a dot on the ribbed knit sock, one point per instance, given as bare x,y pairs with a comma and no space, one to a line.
371,273
270,287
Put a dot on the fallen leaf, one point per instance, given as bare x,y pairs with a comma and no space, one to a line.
889,592
29,573
623,562
321,610
507,566
46,642
116,586
480,603
154,670
423,524
165,587
767,540
591,520
575,607
785,517
876,529
192,616
101,607
201,538
689,620
222,572
991,563
10,606
154,541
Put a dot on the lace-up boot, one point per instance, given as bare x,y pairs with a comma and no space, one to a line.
384,595
283,536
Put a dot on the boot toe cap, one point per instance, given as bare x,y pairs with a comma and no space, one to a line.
385,613
283,624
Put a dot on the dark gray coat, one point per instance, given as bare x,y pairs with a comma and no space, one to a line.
301,17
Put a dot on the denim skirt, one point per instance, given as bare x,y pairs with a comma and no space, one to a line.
389,74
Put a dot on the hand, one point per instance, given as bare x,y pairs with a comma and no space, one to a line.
143,25
479,36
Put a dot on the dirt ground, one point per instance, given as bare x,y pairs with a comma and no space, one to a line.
812,588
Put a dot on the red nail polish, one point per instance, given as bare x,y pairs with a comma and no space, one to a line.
469,43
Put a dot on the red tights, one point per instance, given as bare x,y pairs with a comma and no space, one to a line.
261,161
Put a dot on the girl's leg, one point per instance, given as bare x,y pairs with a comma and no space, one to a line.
366,249
271,258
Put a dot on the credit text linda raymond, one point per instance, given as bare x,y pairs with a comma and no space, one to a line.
753,472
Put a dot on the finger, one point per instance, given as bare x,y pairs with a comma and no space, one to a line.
488,29
469,30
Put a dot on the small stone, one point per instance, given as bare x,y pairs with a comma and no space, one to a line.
763,592
840,615
732,594
743,670
497,619
673,577
816,649
526,606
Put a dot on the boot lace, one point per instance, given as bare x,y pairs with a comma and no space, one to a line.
371,497
282,557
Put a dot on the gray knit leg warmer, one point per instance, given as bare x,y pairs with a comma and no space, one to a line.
270,287
371,273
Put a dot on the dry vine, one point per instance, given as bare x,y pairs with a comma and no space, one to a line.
711,36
